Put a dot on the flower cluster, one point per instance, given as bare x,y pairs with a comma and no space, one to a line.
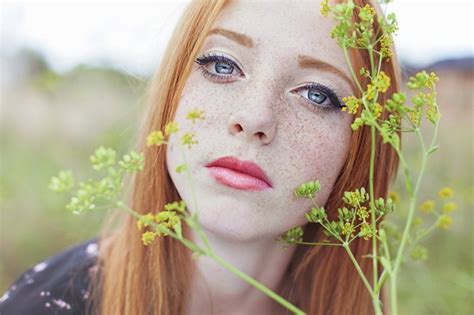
97,193
163,222
352,220
292,236
444,220
361,35
158,137
307,190
64,182
195,114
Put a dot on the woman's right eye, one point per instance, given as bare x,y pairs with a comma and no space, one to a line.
223,68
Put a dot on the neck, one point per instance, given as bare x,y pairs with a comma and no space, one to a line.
215,290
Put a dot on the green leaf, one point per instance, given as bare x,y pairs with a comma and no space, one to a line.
436,147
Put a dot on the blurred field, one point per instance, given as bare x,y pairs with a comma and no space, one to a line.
51,122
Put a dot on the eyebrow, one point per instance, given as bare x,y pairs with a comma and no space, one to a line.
305,62
239,38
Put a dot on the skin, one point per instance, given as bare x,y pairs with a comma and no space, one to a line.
258,115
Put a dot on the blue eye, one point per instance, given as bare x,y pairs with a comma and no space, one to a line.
223,67
321,96
317,97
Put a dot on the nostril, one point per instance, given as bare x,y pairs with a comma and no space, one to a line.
236,128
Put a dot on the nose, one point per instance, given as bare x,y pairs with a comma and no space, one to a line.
254,126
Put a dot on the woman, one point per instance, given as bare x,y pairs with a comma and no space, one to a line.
270,80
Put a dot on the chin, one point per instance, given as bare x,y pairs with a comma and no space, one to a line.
229,228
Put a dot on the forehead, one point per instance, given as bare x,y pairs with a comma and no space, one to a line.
284,27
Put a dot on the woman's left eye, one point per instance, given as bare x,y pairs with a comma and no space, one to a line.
223,68
318,95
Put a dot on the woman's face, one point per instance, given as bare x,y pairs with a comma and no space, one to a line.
260,106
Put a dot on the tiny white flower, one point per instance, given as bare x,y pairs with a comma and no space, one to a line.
5,296
40,267
92,249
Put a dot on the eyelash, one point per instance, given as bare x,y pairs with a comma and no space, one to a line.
213,57
336,101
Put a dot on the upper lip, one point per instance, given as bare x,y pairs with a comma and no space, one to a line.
247,167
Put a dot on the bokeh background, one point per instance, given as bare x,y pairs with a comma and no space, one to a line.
74,76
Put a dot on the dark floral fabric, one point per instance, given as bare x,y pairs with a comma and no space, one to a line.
57,285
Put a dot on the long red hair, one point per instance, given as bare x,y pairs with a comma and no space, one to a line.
135,279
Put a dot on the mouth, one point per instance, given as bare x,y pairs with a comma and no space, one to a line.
243,175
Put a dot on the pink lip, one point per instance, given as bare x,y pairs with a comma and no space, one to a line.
244,175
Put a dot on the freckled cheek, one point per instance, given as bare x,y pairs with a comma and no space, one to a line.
323,147
207,98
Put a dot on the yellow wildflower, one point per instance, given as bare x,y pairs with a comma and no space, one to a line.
417,221
427,206
155,138
181,168
377,110
352,104
171,127
325,8
370,93
395,196
446,193
148,238
385,47
444,221
382,82
195,114
145,220
188,139
449,207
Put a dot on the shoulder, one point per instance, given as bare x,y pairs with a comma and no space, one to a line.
57,285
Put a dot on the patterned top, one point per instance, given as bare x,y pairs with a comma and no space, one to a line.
57,285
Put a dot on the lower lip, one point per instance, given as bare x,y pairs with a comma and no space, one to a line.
236,179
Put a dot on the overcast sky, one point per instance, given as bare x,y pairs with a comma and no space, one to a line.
132,35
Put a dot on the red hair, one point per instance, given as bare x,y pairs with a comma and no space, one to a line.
135,279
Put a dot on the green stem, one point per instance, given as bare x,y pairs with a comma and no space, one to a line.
375,298
372,205
411,213
208,252
327,221
383,277
372,63
424,233
346,55
388,269
198,228
322,244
